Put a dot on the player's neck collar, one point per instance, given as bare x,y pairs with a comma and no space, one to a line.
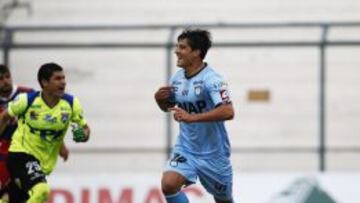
195,74
50,101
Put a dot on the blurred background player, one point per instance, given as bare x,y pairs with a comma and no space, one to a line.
8,92
199,98
43,119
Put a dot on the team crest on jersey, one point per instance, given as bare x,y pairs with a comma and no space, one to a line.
198,90
50,119
64,117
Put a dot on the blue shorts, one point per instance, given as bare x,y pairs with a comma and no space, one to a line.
215,174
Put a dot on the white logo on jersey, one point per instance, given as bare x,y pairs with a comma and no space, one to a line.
197,90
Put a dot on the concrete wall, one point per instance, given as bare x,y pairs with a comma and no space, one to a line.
116,86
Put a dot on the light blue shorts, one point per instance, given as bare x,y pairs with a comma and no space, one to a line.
215,174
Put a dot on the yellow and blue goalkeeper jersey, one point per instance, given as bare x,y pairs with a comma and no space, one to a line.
201,93
41,129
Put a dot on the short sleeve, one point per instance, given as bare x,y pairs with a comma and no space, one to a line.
78,113
218,90
17,106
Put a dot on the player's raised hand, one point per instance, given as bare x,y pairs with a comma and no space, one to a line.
181,115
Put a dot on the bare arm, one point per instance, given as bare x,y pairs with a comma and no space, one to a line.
162,97
64,152
220,113
4,119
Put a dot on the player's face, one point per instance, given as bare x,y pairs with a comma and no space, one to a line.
185,54
5,84
56,84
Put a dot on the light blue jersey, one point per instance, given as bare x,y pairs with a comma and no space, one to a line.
201,93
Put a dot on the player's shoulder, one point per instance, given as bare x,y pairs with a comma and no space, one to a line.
179,73
19,90
21,96
24,89
177,76
211,74
71,99
20,99
68,96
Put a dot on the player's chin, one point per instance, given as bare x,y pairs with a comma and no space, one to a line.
180,63
5,91
8,87
60,93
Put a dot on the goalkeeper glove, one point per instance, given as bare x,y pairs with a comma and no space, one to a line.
79,134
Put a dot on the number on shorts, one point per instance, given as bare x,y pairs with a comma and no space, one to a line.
32,167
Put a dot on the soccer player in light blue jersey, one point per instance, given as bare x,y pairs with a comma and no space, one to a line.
199,99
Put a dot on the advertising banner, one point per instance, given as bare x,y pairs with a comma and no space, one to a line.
248,188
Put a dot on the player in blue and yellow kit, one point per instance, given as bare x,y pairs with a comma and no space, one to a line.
9,192
43,119
199,98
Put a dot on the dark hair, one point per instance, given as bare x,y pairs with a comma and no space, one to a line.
47,70
4,69
198,40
